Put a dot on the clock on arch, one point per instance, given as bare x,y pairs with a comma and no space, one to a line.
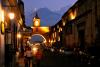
36,21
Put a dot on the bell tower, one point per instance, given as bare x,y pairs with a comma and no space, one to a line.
36,21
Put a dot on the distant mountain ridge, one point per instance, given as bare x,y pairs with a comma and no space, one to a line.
48,17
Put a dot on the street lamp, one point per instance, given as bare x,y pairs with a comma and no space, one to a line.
18,35
20,45
12,26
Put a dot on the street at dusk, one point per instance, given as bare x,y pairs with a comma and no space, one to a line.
49,33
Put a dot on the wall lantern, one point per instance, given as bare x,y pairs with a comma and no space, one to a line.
72,14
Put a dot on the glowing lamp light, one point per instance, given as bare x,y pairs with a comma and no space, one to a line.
73,15
49,40
63,23
18,35
2,16
36,23
55,35
59,29
58,38
45,41
29,37
34,50
11,15
44,29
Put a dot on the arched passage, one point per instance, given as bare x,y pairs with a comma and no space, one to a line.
44,39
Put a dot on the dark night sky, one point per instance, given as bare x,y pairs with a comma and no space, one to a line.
53,5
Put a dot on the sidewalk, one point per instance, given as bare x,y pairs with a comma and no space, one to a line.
21,62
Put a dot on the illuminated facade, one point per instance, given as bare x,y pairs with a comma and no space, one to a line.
37,29
79,26
13,23
2,50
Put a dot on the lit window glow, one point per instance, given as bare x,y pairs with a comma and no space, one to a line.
63,23
49,40
58,38
60,29
57,26
55,34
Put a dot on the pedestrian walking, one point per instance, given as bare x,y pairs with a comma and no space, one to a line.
38,57
28,56
33,61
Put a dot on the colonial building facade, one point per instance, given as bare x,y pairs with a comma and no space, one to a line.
14,22
79,26
2,50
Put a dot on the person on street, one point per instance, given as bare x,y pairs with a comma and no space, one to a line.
28,56
38,57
